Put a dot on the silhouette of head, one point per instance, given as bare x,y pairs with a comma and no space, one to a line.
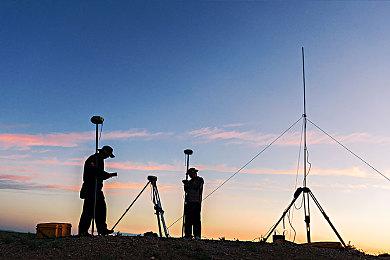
106,151
192,172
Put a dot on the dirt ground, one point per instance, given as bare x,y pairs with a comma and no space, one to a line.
22,245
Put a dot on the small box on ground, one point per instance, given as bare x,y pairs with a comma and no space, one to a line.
278,238
53,230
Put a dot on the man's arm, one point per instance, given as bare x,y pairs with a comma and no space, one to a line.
108,175
92,169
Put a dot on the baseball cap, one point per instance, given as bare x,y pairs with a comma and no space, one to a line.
108,150
192,170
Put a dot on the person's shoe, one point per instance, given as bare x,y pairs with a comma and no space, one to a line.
106,232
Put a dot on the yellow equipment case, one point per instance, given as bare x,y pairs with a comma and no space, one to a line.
53,230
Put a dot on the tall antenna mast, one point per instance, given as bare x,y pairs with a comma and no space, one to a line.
305,191
305,194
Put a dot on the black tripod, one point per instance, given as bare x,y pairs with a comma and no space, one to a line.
152,180
306,193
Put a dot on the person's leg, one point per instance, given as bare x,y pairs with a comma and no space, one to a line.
197,221
101,213
188,220
86,216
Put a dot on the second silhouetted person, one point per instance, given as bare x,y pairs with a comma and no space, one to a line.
193,204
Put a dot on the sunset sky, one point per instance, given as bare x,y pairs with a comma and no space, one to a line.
223,78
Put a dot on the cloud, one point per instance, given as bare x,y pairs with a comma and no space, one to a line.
69,139
13,126
233,125
354,171
151,166
132,186
22,185
17,169
14,177
14,157
212,134
127,165
55,161
351,171
15,182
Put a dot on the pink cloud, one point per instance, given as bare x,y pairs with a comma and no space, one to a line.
210,134
55,161
69,139
56,139
17,169
143,167
14,157
351,171
132,186
14,177
127,165
241,137
73,188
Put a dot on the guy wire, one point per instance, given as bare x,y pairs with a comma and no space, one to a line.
307,160
291,225
291,211
239,170
299,159
349,150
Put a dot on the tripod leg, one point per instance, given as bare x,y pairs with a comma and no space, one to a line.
157,207
306,207
327,218
296,195
159,211
139,194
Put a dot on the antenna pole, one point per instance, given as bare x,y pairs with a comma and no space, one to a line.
305,194
187,153
304,120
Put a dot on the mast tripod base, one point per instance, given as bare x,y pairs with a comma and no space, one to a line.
305,191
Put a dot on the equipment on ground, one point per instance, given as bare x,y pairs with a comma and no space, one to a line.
187,153
276,238
53,230
96,120
152,180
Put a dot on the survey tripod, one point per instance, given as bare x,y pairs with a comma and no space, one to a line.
152,180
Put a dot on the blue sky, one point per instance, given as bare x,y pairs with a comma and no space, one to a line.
221,77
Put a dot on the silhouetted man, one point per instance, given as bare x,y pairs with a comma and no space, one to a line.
93,177
193,204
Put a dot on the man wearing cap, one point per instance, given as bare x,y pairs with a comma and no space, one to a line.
91,191
193,202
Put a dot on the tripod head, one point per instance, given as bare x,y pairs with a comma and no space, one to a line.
97,120
152,178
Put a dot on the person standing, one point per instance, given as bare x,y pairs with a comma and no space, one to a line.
91,192
193,203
